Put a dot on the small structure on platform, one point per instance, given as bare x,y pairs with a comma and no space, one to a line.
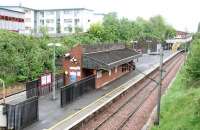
147,46
107,61
180,38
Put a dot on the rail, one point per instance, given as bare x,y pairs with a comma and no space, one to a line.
132,97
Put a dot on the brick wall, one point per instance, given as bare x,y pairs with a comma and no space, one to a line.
69,66
106,78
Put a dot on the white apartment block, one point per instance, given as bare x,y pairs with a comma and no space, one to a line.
57,21
11,20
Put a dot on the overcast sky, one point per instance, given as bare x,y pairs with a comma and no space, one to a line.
181,14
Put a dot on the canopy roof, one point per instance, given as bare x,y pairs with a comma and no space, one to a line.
108,59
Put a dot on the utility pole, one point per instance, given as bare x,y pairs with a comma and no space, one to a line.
159,88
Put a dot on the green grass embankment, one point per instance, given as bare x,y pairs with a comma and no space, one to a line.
180,108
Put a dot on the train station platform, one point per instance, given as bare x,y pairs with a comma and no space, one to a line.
51,114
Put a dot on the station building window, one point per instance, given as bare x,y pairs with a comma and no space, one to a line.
125,67
115,69
99,74
109,72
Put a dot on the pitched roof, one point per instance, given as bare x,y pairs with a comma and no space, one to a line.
108,59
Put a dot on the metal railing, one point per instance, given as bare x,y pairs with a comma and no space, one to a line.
33,88
22,114
72,91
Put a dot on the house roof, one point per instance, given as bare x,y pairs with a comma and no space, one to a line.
11,10
108,59
47,9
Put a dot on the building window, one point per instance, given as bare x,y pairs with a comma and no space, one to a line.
67,12
109,72
76,12
115,69
76,21
27,19
27,11
124,67
67,20
68,29
27,28
99,74
42,13
42,22
50,13
50,28
50,21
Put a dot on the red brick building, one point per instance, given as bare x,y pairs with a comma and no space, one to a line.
107,61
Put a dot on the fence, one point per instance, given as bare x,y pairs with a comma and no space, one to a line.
72,91
33,88
22,114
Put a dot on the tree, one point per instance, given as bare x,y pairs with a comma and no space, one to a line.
96,30
23,57
125,30
170,32
111,25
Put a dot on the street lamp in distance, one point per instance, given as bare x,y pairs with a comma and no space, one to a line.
148,50
54,45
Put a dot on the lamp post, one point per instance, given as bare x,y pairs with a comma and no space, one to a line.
4,91
148,41
54,45
135,42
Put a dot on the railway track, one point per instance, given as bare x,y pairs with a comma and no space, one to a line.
116,115
132,114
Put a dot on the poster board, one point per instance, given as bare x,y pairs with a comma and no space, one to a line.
46,79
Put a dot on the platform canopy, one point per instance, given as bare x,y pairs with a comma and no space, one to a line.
108,59
179,40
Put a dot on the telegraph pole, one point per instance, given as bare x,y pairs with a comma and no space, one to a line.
157,120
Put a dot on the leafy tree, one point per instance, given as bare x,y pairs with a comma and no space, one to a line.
170,32
193,62
97,30
111,25
23,57
125,30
